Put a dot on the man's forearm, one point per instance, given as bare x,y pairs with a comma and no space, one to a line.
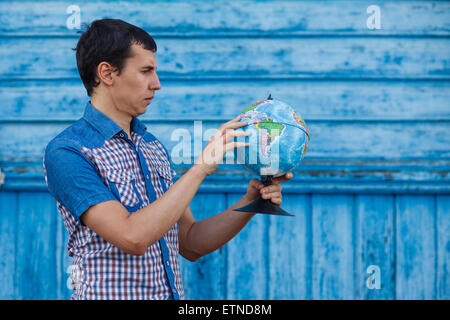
150,223
212,233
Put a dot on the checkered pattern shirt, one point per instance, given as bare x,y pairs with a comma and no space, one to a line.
93,161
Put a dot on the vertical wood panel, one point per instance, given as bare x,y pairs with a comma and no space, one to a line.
416,254
36,256
332,274
205,278
8,229
247,258
375,245
289,250
443,246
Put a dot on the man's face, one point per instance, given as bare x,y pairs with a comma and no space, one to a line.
137,83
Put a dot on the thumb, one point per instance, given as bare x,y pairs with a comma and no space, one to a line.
288,176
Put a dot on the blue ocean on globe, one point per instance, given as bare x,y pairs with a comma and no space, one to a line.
278,138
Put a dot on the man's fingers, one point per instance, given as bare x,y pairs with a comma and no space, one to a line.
233,125
271,188
234,133
276,201
238,118
255,183
234,120
286,177
269,195
235,144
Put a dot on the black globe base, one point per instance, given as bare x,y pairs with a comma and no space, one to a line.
264,206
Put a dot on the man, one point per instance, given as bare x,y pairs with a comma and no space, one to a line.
113,183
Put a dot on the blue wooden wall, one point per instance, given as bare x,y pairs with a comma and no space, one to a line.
374,188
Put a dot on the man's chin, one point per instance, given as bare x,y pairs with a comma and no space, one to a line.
141,110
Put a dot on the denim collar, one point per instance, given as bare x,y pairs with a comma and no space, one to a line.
106,126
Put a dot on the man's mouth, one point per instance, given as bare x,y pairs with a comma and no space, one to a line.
148,100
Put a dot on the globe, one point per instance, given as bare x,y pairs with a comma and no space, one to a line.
277,144
278,138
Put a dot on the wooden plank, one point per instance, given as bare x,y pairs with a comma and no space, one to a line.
290,255
333,247
247,262
443,247
172,18
205,278
416,247
335,58
36,256
318,100
8,233
428,178
375,247
343,140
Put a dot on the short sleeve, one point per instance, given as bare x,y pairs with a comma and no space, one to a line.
72,179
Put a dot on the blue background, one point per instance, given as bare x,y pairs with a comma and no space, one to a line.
373,188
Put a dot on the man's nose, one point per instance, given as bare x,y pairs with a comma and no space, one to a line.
155,84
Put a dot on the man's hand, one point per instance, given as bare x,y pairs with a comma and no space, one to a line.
272,192
220,144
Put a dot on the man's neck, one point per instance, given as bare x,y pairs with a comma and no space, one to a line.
109,109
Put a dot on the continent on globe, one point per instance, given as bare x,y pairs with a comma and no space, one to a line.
275,128
253,106
269,131
298,119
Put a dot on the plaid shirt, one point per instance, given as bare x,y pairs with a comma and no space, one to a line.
93,161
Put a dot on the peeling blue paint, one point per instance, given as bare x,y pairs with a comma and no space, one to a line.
373,189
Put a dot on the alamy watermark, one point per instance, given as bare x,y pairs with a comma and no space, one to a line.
74,280
265,150
74,20
374,20
374,280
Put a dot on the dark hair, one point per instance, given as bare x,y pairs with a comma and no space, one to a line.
107,40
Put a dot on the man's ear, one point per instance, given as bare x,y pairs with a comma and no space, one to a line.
104,73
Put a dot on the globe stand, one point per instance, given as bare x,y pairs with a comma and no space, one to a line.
264,206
